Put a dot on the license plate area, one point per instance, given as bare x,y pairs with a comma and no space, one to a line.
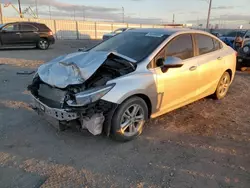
59,114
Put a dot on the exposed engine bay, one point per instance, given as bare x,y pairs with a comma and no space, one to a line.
83,101
112,68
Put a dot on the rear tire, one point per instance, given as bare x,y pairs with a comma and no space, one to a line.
223,86
238,66
129,119
43,44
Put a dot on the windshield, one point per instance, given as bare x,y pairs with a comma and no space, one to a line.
235,33
135,45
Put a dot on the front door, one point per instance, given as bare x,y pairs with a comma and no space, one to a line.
179,84
10,34
29,34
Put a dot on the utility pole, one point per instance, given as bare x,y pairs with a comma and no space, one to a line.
49,12
83,13
20,9
123,15
74,13
209,12
36,9
1,14
173,18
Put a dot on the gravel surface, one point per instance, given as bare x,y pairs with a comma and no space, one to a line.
203,145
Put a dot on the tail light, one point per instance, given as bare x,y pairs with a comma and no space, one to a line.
50,33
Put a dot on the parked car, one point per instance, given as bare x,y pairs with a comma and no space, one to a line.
243,59
239,40
217,34
114,33
230,37
26,34
116,86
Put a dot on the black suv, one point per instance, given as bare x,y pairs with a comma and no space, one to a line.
243,58
26,34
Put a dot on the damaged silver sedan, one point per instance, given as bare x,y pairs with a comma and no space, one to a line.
117,85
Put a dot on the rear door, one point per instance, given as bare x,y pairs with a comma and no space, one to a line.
211,62
29,34
10,34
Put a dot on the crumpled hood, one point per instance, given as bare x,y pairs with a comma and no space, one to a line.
71,69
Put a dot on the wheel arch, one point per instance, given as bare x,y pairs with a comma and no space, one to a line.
230,73
43,37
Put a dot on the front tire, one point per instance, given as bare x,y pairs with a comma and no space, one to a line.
223,86
43,44
129,119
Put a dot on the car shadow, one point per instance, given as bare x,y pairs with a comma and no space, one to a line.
18,48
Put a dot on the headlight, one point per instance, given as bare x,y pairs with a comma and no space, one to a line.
246,49
90,96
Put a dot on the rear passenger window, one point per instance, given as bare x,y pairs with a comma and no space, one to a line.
43,27
205,44
27,27
217,44
181,47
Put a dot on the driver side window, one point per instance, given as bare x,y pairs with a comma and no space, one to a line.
180,47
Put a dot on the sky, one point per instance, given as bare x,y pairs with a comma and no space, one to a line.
227,13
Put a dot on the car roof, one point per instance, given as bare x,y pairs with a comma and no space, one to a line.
122,28
23,23
165,31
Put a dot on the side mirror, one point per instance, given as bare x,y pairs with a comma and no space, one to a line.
170,62
247,37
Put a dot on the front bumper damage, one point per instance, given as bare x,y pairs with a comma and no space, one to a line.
96,117
71,87
59,114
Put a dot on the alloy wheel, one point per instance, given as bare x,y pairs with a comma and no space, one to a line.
43,44
224,85
132,120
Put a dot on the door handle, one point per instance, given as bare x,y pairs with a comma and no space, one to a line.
18,33
193,68
219,58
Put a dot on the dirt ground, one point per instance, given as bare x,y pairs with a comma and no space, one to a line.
203,145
